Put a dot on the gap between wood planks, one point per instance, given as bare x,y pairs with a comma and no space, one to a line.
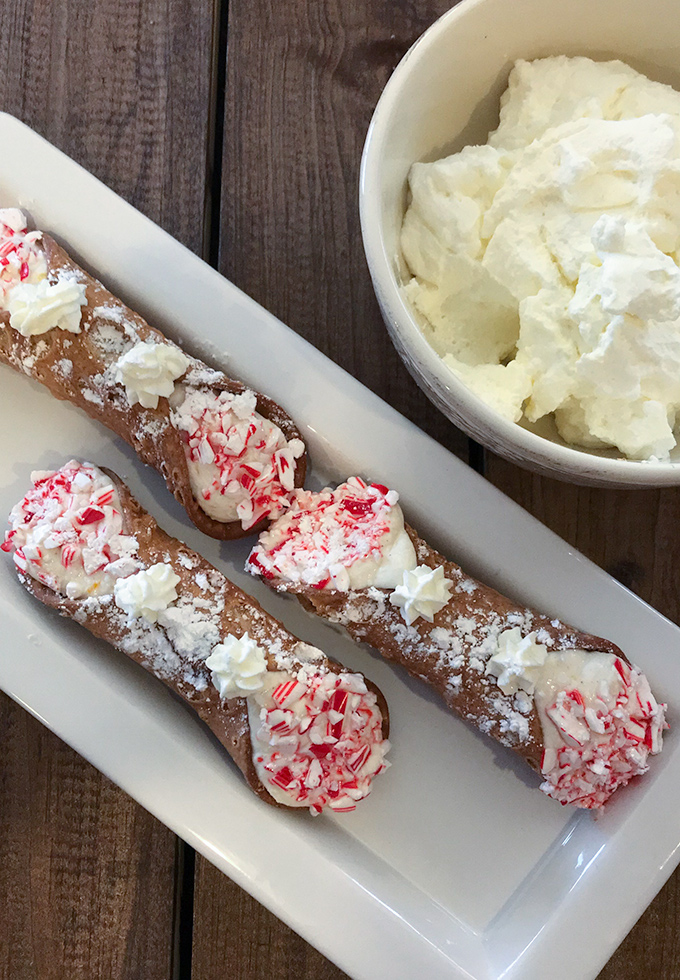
186,855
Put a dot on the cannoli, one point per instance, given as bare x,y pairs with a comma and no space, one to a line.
304,731
571,704
230,455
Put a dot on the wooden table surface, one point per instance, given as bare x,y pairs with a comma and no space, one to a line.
238,126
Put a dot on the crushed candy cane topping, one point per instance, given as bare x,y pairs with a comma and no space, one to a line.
66,532
349,538
238,666
34,304
600,723
21,260
317,738
423,592
240,464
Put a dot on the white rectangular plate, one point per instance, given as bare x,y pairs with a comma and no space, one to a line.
457,866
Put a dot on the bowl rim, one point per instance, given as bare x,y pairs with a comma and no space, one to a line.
530,447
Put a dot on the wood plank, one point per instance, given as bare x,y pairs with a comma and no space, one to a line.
86,875
633,536
87,878
235,937
303,78
123,88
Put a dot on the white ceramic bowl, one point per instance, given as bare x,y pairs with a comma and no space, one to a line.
445,94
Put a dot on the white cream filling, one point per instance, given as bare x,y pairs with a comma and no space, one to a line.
309,542
261,747
68,556
595,677
385,572
241,467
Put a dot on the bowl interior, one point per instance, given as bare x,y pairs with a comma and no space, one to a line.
445,94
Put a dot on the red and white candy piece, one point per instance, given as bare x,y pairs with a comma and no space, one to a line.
606,743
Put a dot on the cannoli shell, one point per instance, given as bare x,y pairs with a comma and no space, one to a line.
473,608
228,718
148,431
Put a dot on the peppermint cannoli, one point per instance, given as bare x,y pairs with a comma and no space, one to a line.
230,455
571,704
304,731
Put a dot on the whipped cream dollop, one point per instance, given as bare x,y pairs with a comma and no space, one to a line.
148,371
545,264
422,592
517,663
241,466
148,592
317,738
21,257
238,666
348,538
35,308
66,532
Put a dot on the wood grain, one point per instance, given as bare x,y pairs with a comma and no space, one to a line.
86,875
123,87
235,937
87,878
303,79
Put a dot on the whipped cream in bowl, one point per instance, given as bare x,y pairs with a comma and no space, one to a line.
530,280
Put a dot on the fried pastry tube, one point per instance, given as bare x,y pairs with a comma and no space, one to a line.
304,731
230,455
571,704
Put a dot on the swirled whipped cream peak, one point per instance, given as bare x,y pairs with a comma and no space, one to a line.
352,537
67,532
241,465
545,264
238,666
599,718
148,371
423,592
148,592
517,663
